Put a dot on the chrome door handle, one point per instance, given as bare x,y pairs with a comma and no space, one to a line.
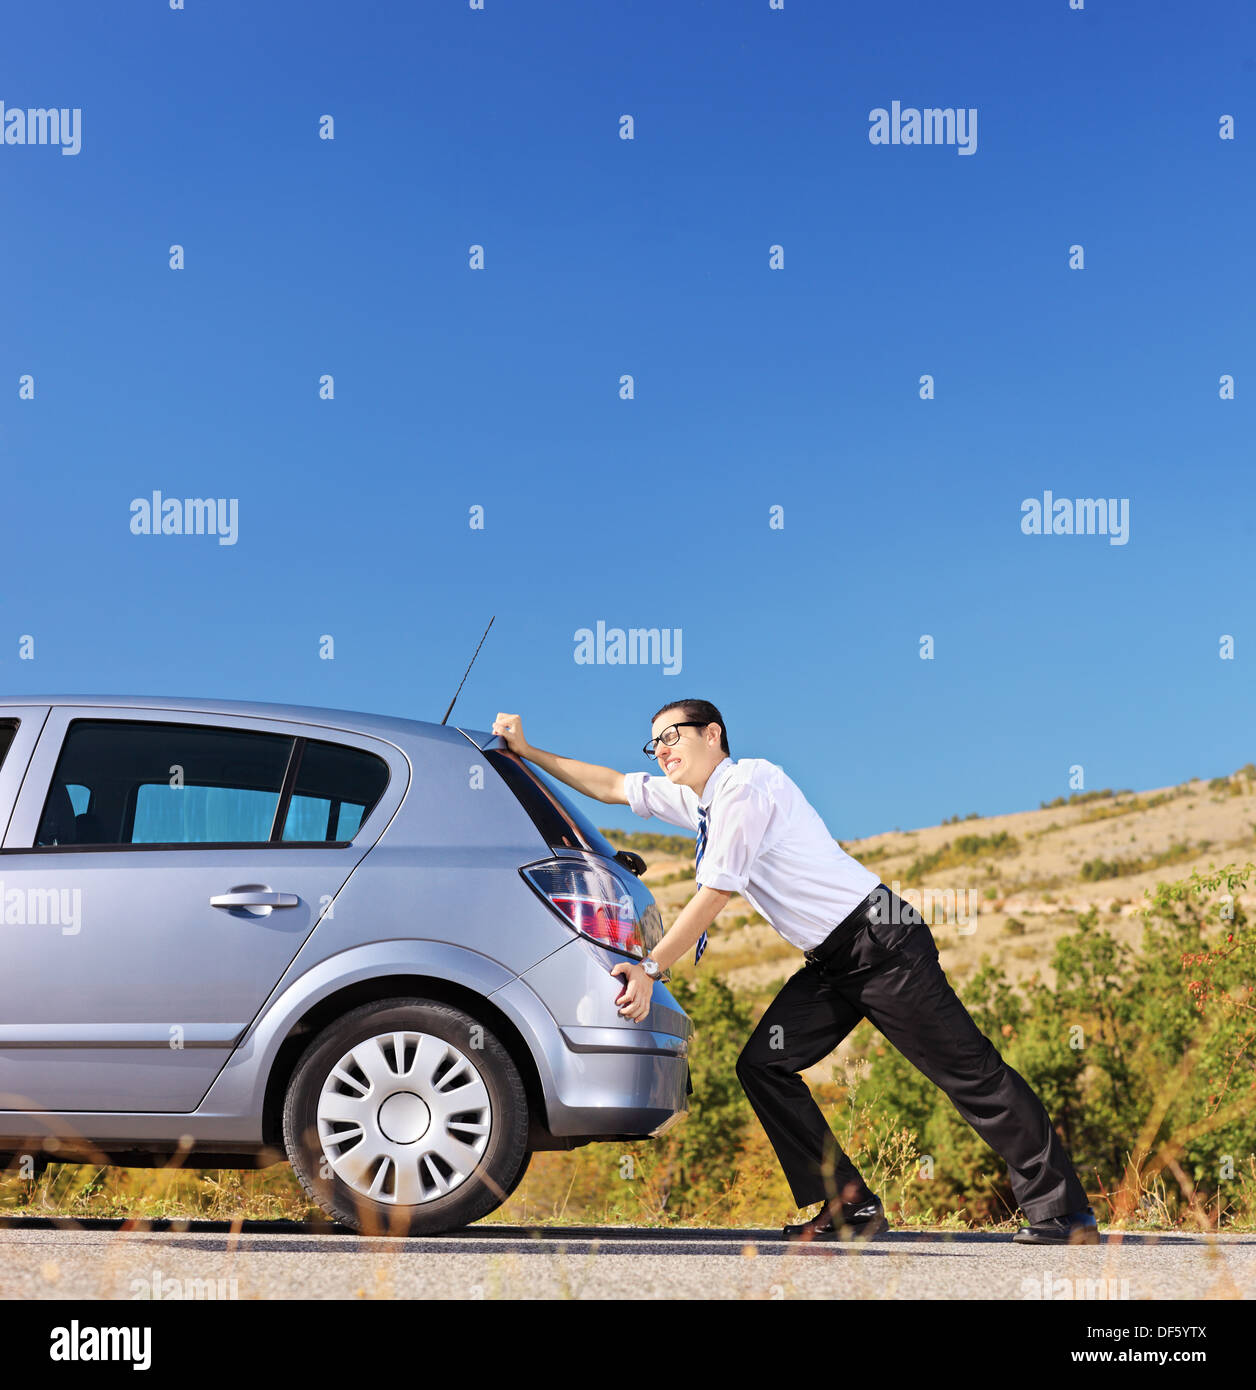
257,898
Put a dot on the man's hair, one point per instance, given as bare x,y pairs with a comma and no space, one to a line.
702,710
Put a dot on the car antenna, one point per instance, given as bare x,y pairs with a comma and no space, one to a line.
467,672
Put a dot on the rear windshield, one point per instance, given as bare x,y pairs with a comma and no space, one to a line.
560,823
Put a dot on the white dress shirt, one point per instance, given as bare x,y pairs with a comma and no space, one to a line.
765,841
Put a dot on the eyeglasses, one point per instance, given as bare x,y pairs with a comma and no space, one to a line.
671,735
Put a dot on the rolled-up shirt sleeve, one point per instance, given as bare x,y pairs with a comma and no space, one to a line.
739,824
656,796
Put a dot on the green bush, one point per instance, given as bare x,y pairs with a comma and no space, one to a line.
1094,869
650,842
963,851
1142,1058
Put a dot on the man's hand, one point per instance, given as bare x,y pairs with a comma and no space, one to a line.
601,783
634,1003
510,727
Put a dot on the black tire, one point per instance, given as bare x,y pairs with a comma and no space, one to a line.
501,1164
518,1178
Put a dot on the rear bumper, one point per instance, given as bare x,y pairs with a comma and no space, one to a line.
625,1095
601,1081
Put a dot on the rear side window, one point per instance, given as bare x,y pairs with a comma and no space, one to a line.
7,732
335,790
132,782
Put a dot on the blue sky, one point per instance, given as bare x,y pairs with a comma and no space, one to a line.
755,388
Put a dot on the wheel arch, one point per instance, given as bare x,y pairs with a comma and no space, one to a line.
326,1010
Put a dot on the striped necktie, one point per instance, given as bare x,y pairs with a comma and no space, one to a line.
697,860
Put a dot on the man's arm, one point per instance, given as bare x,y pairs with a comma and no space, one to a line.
681,937
693,919
601,783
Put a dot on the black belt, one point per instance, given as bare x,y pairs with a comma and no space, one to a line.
848,926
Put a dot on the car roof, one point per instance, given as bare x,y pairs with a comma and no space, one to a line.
354,720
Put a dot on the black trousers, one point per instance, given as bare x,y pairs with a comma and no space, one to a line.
887,970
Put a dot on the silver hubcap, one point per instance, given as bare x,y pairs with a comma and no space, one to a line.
404,1118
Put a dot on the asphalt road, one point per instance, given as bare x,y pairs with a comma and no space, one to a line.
100,1259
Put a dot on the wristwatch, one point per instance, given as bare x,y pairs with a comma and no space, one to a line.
652,968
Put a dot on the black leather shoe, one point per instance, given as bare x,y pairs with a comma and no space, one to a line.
1077,1228
842,1221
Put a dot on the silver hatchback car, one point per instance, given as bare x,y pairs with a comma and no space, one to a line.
379,946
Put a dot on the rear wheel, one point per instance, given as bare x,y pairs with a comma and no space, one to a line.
407,1117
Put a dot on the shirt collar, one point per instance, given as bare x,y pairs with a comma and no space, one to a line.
713,781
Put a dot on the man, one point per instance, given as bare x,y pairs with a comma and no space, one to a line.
867,953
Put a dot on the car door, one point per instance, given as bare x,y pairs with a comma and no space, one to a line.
160,871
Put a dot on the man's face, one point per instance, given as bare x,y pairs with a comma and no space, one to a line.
693,757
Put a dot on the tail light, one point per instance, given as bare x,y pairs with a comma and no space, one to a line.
597,903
